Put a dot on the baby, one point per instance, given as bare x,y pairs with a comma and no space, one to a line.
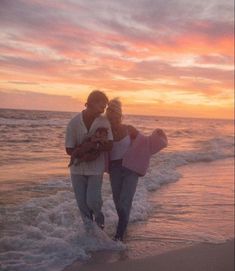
99,137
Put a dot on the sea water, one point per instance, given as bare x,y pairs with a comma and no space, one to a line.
40,225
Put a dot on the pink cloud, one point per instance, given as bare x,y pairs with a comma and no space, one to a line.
95,43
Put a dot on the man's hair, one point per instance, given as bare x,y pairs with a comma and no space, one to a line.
96,96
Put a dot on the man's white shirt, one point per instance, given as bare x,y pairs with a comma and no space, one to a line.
76,133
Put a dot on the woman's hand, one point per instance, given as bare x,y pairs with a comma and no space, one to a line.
133,132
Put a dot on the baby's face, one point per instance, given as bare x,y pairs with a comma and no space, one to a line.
101,134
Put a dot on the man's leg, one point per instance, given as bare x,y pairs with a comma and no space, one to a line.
94,198
80,184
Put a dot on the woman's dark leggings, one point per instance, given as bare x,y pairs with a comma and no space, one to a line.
123,183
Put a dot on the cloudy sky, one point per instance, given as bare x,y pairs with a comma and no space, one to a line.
160,57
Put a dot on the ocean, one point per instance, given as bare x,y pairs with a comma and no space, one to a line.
186,197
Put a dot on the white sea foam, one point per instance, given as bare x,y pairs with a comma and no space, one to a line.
47,234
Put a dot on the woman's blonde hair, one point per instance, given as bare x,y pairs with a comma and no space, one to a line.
115,105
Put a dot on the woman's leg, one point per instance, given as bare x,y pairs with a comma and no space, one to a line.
115,172
129,184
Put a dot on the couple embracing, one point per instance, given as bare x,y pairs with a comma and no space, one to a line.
98,143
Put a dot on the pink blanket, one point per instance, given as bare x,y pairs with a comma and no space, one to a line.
138,156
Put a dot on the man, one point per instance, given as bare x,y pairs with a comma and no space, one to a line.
87,176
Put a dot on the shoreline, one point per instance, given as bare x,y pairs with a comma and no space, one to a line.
201,257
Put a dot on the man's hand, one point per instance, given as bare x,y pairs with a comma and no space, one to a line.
86,147
81,149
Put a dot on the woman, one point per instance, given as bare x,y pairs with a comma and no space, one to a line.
123,180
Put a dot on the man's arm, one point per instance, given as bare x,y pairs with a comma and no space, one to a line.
81,149
87,146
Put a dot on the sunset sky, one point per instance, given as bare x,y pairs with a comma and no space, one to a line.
161,57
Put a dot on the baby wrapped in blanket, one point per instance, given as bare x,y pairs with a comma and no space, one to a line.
81,154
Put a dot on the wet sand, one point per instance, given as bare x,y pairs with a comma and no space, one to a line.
202,257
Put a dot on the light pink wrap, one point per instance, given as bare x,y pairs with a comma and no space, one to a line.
138,156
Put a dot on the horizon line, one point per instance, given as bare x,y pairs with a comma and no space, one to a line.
145,115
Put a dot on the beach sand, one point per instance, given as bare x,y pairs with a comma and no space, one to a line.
202,257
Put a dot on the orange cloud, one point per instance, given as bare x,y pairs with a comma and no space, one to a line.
38,101
69,48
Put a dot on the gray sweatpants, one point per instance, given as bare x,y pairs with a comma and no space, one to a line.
87,191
